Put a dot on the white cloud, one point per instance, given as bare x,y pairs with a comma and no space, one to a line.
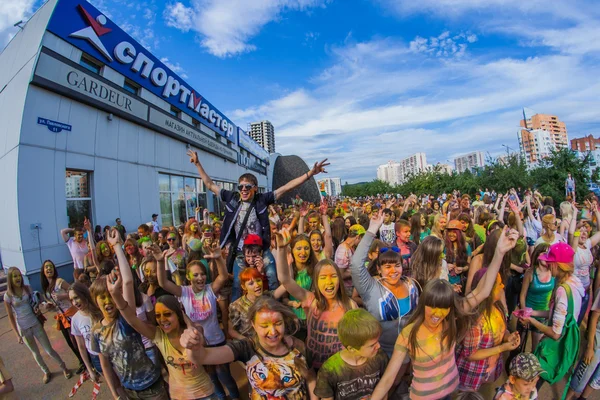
443,45
11,12
175,67
382,100
225,27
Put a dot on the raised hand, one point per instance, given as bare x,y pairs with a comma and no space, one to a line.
193,156
156,252
376,221
323,207
86,224
211,252
114,282
507,241
303,210
513,206
114,238
319,167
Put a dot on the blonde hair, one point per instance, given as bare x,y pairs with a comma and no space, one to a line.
566,211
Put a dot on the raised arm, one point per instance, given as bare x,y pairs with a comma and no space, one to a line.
88,227
213,254
114,281
161,274
283,272
519,222
328,245
193,341
507,241
573,240
294,183
65,233
502,207
203,175
362,280
389,376
114,239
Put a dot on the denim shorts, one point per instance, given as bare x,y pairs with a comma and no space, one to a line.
587,374
96,362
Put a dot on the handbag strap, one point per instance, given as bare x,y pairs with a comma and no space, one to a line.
238,237
569,293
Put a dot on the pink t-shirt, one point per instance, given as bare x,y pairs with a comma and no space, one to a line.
322,339
78,252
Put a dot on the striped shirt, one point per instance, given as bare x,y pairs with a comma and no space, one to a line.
434,371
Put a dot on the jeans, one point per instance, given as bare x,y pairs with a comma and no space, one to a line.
587,374
156,391
584,305
221,375
270,271
37,332
96,362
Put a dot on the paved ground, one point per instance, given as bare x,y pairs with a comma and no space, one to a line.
27,377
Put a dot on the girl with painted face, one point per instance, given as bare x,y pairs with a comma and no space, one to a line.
323,306
564,310
303,264
24,322
432,332
199,300
150,286
479,355
134,256
81,327
253,288
320,241
275,362
186,379
389,296
175,258
55,290
458,252
192,238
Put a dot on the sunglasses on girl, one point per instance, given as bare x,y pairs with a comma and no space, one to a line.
246,186
171,239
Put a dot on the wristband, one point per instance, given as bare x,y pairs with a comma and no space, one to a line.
307,177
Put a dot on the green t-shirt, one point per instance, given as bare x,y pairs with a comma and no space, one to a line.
305,282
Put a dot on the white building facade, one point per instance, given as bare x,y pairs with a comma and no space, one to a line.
330,186
412,165
469,161
96,126
390,172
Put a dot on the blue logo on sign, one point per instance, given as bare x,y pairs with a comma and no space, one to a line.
54,126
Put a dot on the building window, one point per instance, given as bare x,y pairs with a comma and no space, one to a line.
174,111
131,86
196,123
219,205
78,195
179,197
90,64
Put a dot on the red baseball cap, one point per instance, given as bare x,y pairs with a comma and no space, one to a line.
558,252
252,239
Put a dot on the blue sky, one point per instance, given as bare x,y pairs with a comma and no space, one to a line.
366,81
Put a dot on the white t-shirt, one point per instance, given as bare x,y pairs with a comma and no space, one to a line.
78,252
22,310
81,325
387,233
141,314
583,260
202,307
557,239
155,227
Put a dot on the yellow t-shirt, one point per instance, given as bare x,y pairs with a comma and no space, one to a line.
186,380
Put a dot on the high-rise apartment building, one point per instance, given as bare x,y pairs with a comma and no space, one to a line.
585,144
469,161
412,165
390,172
331,186
263,133
533,143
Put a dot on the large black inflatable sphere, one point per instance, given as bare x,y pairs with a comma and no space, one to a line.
290,167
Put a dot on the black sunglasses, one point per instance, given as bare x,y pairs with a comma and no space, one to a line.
170,239
246,186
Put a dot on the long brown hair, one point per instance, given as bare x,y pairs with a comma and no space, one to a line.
90,305
10,288
426,262
340,296
44,282
489,249
437,294
459,258
485,308
416,228
291,321
312,257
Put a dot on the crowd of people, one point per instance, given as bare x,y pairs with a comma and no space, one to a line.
368,298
